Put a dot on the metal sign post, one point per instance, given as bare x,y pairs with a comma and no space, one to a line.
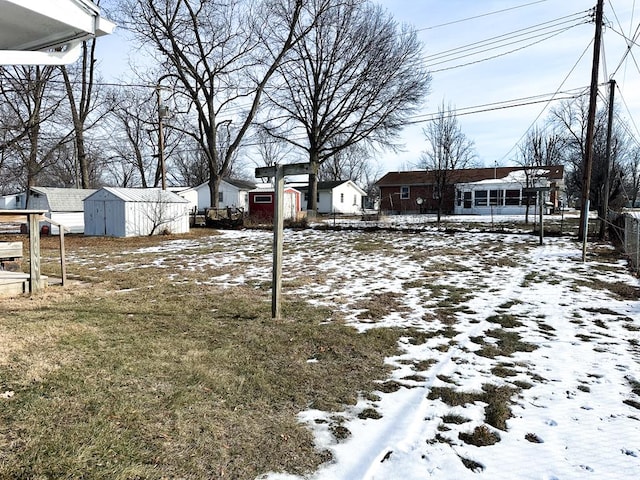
278,172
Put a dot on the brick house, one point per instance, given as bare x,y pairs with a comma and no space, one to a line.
501,190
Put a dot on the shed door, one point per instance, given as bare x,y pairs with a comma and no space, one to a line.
99,214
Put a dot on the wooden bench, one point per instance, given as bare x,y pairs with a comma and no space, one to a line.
10,256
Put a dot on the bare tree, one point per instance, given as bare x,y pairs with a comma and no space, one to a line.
220,55
538,150
633,183
353,79
570,121
448,149
32,103
82,102
132,120
351,163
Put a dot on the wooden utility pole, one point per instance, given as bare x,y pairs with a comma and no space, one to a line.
591,121
278,172
605,200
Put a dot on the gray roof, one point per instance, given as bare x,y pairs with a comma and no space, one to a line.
240,184
64,199
145,195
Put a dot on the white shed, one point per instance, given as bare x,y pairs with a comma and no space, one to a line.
134,212
63,205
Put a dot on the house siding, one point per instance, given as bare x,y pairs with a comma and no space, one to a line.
421,186
132,212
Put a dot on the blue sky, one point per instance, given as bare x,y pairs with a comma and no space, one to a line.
535,70
539,67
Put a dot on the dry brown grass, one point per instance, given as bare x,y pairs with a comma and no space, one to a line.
132,375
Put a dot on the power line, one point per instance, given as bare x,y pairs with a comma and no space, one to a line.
498,39
479,16
575,65
496,56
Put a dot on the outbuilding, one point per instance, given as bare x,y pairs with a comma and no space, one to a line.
62,205
134,212
262,203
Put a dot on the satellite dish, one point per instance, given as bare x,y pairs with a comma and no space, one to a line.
419,200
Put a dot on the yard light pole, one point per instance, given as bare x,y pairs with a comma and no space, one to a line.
163,113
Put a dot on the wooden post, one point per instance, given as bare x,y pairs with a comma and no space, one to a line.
278,232
278,172
33,220
63,263
541,200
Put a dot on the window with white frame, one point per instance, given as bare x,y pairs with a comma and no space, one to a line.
481,198
404,193
342,198
220,197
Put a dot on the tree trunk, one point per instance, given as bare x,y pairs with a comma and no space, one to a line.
312,196
214,189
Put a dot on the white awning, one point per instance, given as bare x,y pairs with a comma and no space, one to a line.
37,32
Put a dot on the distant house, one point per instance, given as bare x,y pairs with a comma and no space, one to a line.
262,203
499,190
232,193
134,212
12,202
63,205
341,196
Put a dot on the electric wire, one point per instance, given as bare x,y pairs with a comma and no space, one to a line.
479,16
495,56
547,105
499,39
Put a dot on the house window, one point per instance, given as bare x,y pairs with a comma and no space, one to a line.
496,197
342,198
459,198
220,197
512,197
467,200
481,198
355,200
404,193
262,199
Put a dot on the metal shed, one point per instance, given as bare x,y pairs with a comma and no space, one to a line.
134,212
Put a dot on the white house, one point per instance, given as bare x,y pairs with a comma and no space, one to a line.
232,193
342,197
12,201
134,212
509,195
63,205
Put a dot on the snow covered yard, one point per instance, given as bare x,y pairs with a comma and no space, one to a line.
519,360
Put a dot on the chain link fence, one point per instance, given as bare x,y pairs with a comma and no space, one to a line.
631,239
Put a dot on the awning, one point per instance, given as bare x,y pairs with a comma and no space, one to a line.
51,32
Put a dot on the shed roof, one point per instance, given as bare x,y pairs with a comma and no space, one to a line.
64,199
328,186
144,195
467,175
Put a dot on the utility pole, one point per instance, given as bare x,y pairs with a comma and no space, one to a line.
591,121
605,200
161,114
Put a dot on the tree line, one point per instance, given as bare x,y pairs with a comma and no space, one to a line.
317,81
